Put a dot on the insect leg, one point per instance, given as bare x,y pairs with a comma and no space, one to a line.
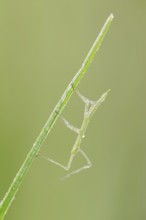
86,166
68,125
67,167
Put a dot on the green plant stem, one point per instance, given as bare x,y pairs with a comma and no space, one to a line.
10,195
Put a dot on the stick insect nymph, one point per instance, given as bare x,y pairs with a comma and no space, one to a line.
90,109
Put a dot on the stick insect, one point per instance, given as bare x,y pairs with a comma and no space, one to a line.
89,110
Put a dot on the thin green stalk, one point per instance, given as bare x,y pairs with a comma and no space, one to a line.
10,195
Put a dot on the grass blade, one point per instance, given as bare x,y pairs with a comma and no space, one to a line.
10,195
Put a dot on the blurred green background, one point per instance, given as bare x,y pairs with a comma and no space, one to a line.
42,45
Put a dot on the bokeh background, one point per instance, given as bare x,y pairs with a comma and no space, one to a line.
42,45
